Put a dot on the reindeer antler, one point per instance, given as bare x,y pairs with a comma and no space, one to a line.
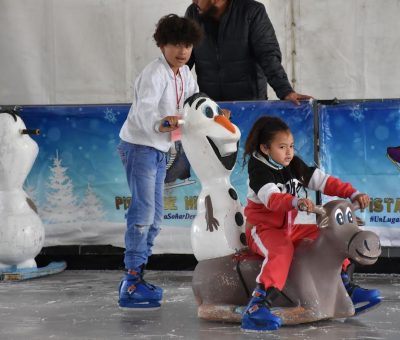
356,205
319,210
322,219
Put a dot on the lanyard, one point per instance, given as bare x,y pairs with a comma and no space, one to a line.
178,97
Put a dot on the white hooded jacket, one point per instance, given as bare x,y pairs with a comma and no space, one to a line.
155,97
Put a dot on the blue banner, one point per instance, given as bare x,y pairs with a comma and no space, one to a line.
79,185
360,143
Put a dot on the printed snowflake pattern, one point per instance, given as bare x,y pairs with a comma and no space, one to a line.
394,116
111,116
356,113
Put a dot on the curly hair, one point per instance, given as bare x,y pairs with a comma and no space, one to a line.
172,29
263,132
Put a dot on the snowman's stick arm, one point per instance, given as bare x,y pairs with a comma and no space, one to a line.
30,132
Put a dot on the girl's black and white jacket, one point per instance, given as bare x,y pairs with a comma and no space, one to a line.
273,192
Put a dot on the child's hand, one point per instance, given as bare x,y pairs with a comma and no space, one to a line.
168,124
304,204
226,113
362,199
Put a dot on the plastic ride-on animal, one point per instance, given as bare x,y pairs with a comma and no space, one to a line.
314,289
226,273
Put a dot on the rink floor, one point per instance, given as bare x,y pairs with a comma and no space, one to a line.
83,305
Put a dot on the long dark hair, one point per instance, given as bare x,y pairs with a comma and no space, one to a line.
263,132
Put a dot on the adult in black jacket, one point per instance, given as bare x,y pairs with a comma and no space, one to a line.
239,53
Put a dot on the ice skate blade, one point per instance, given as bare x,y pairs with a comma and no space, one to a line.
273,327
366,307
138,309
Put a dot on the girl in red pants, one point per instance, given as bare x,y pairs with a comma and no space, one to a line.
276,176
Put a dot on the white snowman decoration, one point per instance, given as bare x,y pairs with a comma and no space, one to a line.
210,142
21,230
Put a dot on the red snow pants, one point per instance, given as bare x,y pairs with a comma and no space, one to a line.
277,247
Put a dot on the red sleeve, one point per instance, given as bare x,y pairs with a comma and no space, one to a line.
335,187
280,202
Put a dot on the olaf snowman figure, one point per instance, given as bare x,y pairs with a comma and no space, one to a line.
210,142
22,233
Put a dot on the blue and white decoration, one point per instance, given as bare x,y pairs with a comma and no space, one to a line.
79,186
360,143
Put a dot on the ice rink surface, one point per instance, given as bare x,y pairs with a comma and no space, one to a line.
83,305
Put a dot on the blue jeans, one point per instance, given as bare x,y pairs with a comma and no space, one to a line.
145,169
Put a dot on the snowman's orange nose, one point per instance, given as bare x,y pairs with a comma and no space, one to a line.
222,120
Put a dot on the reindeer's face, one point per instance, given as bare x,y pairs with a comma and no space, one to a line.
338,223
17,152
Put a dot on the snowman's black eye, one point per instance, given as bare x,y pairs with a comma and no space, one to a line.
208,111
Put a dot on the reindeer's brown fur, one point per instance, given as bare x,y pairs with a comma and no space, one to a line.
314,284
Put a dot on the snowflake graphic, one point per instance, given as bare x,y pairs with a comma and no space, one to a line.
111,116
356,113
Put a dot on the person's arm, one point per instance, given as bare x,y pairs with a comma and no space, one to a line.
333,186
191,87
266,49
294,97
148,93
362,199
317,180
191,13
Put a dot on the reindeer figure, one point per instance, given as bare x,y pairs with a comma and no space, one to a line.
314,289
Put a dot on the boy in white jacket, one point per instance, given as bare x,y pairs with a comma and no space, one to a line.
159,94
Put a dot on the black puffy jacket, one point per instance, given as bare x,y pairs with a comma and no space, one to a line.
239,55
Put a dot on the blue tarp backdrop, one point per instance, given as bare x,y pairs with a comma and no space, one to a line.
354,140
79,185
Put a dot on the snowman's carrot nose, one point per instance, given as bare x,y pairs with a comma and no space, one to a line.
30,132
225,122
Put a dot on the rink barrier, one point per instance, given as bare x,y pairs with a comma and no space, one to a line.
349,139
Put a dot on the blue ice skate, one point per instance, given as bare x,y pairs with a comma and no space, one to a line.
135,293
363,299
157,289
257,316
